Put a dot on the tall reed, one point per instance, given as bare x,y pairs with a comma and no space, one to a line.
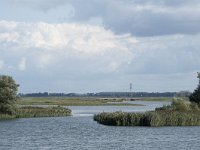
6,116
154,119
30,112
179,113
25,112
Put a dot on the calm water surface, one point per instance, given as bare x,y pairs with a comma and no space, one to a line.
80,132
91,110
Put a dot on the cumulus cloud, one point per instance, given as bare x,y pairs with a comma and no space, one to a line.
101,43
167,54
75,52
50,44
138,17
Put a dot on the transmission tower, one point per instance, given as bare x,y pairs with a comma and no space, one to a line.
131,86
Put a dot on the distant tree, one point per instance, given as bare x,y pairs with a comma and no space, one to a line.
8,94
195,96
183,94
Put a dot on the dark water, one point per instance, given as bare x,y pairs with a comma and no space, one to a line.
82,133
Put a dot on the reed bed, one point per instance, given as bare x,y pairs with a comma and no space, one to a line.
6,116
31,112
177,114
153,119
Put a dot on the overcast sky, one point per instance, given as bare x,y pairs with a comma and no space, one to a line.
100,45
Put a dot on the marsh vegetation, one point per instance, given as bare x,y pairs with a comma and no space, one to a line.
179,113
65,101
31,112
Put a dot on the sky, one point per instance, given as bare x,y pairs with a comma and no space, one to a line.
100,45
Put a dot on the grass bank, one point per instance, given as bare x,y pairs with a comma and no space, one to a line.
178,114
71,101
163,99
31,112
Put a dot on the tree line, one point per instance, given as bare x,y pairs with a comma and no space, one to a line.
9,88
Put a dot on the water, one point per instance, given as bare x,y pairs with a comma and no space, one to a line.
80,132
91,110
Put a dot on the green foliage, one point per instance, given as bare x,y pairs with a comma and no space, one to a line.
180,105
8,94
195,96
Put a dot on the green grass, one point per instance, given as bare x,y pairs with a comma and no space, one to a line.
7,116
180,113
71,101
162,99
31,112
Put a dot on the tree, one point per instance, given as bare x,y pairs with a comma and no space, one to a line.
195,96
8,94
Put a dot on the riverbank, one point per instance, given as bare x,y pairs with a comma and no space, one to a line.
63,101
32,112
163,99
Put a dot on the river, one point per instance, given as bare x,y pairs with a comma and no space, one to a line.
80,132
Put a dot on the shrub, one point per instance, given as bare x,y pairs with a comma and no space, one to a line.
180,105
8,94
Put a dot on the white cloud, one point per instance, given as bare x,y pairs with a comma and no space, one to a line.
8,26
138,17
8,37
82,53
96,50
47,45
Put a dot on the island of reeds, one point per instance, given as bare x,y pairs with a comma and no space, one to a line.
180,113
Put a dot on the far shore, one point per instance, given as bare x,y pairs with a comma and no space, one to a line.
65,101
